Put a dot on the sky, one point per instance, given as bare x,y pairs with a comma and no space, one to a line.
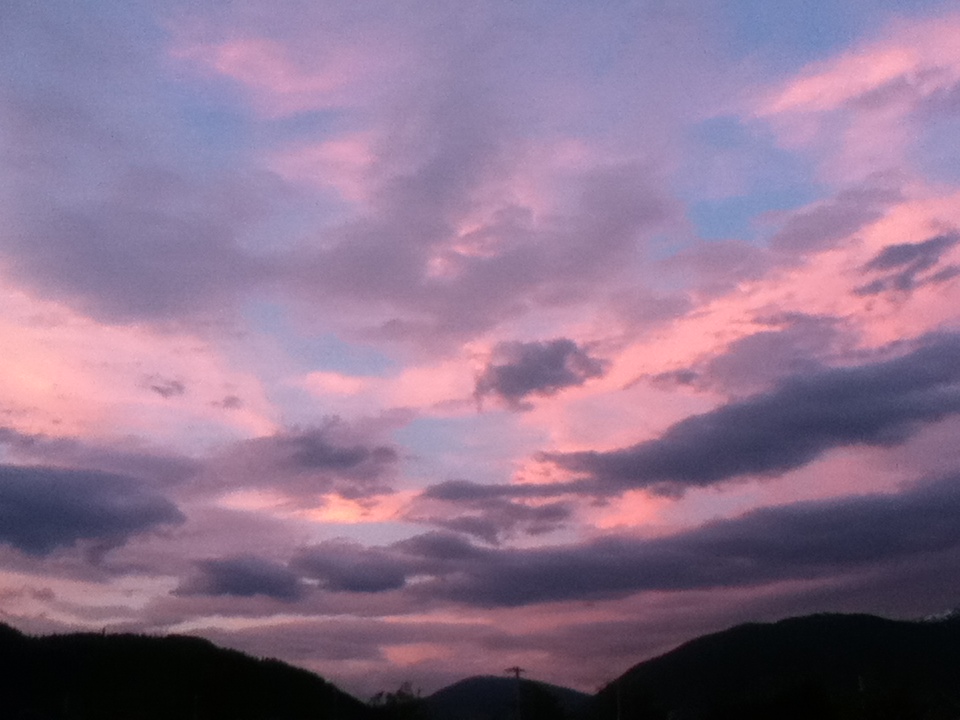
417,340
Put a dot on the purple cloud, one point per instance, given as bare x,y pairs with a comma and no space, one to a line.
335,456
154,465
385,261
789,542
795,345
824,225
495,520
495,512
350,567
287,233
243,576
109,207
902,266
518,370
164,387
802,417
467,491
800,541
44,509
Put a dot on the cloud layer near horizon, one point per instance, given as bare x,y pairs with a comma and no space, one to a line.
549,334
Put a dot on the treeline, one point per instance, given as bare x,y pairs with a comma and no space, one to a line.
484,698
822,667
88,676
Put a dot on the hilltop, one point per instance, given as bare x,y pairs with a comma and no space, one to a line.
127,677
819,667
491,698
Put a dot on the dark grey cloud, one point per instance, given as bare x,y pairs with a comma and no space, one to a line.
947,273
342,566
927,253
517,370
790,542
495,512
901,267
335,456
43,508
243,576
440,547
465,490
347,566
881,403
483,526
313,450
856,536
494,520
353,469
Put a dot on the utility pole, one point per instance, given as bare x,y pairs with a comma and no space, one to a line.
515,671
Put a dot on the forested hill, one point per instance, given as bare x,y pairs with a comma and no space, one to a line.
497,698
134,677
819,667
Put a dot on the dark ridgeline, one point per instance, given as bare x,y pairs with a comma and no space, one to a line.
495,698
133,677
820,667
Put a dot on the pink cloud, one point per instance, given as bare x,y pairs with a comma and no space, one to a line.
345,163
280,80
864,110
442,387
65,374
329,509
500,190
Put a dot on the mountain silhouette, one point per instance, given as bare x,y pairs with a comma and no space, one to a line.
819,667
495,698
87,676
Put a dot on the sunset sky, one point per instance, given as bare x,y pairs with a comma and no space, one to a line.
415,340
